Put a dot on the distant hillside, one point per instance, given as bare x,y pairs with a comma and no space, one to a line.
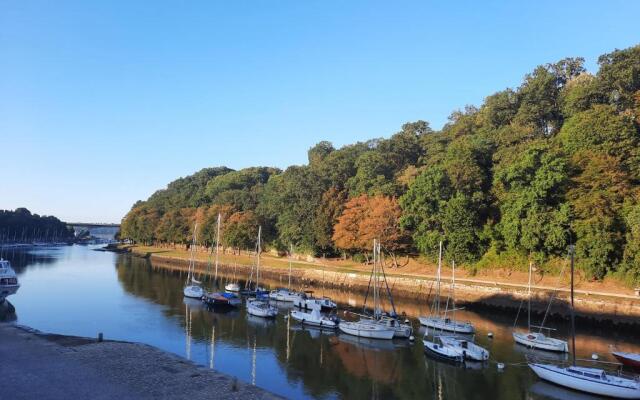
532,170
20,226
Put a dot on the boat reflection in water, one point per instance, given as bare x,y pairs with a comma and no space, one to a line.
138,301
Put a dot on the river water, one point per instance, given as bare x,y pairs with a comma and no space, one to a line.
76,290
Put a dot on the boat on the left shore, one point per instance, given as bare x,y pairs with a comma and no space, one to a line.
8,280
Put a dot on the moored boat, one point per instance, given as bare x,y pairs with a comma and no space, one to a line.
629,359
469,350
437,349
8,280
446,324
538,340
367,328
590,380
440,320
232,287
193,288
259,305
261,308
586,379
283,294
221,300
306,301
315,318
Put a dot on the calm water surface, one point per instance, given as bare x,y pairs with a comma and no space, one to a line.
78,291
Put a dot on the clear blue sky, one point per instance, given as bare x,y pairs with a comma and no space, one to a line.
102,103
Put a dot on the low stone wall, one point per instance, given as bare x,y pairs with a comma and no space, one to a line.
619,309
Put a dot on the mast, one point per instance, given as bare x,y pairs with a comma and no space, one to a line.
258,260
573,317
453,288
438,280
192,263
290,256
217,246
375,278
529,295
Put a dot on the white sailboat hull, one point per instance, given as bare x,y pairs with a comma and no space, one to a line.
283,295
596,382
366,330
446,324
314,318
445,352
540,342
261,309
193,291
232,287
468,349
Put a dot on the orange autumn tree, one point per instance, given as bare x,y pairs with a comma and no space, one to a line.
366,218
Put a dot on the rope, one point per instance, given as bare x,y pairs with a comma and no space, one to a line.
555,294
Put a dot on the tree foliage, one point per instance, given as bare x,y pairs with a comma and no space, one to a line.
553,162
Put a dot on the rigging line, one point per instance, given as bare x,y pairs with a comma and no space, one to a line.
555,294
518,313
384,276
366,296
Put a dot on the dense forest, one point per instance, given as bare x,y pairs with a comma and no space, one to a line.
20,226
532,170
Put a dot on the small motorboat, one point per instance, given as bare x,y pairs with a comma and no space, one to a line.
221,300
314,318
629,359
261,308
284,295
367,328
400,329
306,301
8,280
447,324
232,287
470,350
436,348
590,380
538,340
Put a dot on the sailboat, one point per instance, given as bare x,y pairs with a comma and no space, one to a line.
538,340
285,294
220,298
193,288
259,306
443,322
590,380
233,286
375,326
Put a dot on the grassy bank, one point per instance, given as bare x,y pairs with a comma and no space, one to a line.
414,269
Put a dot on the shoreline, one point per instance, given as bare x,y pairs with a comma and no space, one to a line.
594,305
80,367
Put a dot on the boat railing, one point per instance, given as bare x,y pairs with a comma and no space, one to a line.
543,327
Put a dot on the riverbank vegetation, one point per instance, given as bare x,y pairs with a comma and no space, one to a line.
553,162
20,226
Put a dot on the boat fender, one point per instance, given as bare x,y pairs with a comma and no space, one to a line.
302,321
595,356
412,338
320,323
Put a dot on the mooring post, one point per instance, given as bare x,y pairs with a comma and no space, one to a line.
99,336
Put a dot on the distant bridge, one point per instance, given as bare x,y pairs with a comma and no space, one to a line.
98,230
92,225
